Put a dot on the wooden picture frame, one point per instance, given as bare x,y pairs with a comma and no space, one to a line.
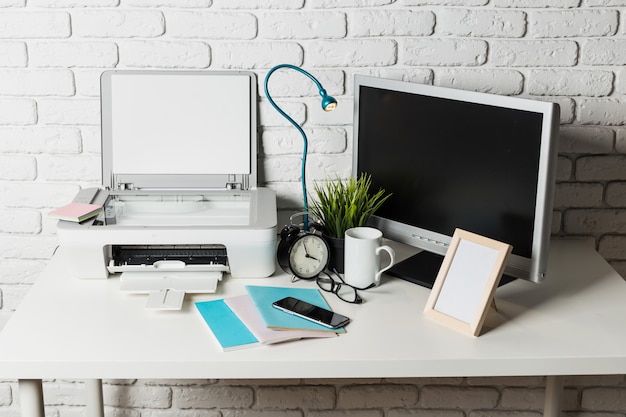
466,282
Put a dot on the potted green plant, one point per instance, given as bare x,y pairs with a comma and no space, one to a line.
341,204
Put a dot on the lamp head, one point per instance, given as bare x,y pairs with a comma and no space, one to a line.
328,102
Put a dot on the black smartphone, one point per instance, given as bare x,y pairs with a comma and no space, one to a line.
311,312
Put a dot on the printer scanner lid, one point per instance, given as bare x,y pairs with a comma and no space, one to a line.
179,129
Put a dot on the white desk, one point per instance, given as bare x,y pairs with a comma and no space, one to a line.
572,324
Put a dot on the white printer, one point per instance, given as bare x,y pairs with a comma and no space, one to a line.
179,176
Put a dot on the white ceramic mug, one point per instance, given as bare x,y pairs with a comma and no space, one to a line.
362,256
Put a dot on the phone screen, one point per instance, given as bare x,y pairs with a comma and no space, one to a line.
311,312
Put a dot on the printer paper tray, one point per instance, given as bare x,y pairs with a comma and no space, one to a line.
183,281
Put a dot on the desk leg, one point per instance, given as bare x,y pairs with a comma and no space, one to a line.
94,402
554,389
31,397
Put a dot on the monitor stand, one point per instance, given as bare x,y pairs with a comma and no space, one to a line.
422,269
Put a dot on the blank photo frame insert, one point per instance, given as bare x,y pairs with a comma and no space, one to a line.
465,285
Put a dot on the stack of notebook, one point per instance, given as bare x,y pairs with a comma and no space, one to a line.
250,320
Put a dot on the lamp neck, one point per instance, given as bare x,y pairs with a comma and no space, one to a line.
322,92
325,101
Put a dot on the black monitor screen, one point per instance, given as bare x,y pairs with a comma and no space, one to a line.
452,164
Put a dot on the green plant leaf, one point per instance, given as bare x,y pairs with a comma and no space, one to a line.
345,203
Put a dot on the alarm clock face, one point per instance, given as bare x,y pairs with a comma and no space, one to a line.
308,256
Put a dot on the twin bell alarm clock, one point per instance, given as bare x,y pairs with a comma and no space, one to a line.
302,253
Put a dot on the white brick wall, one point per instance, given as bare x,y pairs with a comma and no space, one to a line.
571,52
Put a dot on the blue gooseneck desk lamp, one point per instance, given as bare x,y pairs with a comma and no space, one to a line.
328,104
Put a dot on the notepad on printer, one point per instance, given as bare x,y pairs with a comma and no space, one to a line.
179,179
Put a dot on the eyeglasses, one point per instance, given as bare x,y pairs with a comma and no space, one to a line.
336,285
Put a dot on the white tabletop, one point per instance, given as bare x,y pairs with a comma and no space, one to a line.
572,324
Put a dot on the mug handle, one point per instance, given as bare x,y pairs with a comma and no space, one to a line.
392,255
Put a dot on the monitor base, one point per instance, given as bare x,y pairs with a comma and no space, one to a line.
422,269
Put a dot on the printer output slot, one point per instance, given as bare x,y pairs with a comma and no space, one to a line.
196,257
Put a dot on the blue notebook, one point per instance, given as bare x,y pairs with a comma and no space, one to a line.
227,328
263,297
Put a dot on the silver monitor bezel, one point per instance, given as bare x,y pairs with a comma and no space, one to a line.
532,269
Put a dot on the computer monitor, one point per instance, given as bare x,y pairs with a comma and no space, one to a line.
458,159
